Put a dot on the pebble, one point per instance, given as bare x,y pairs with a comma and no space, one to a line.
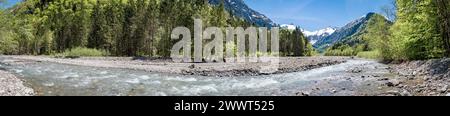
192,66
393,92
305,93
392,83
12,86
443,89
383,79
333,91
406,93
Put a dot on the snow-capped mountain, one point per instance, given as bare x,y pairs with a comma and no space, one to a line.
240,9
314,36
288,26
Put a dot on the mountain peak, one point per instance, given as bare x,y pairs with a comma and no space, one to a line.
328,30
240,9
288,26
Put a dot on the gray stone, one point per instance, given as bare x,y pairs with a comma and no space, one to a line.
392,83
406,93
192,66
383,79
394,92
304,93
443,89
333,91
426,78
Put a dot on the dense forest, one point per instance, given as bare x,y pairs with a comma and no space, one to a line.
420,31
114,27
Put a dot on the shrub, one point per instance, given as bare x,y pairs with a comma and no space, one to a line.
376,54
79,52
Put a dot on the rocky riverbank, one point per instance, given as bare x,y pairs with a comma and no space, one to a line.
286,65
10,85
411,78
422,78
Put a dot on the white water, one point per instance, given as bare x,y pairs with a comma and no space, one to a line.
60,79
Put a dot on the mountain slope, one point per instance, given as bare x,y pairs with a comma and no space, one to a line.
344,32
240,9
369,38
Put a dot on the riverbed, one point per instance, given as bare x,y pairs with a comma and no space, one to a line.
354,77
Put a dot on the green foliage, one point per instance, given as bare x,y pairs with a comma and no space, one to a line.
294,43
7,44
344,50
376,54
416,35
378,38
80,52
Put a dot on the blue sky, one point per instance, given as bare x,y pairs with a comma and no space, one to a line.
9,3
316,14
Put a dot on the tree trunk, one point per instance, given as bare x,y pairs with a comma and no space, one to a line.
444,15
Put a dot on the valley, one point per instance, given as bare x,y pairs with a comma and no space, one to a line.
128,48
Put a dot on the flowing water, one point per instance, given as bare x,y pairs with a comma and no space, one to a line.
60,79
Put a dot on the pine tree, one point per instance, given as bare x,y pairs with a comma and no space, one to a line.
298,42
96,36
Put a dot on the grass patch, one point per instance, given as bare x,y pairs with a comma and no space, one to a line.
82,52
376,54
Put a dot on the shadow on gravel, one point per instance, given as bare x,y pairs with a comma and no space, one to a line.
439,66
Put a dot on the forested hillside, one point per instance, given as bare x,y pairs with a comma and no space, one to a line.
116,27
420,31
363,38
